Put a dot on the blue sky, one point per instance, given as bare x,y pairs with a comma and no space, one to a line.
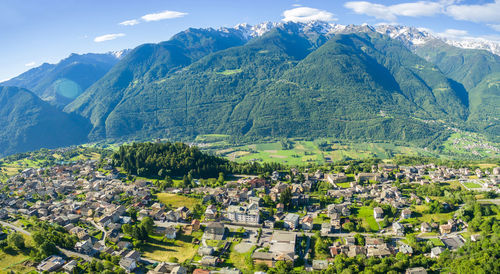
37,31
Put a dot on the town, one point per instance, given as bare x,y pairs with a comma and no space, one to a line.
91,216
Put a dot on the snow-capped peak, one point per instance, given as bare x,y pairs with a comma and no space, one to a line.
119,54
249,31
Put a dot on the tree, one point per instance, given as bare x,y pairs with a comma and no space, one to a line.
360,239
349,226
16,240
286,197
148,224
221,178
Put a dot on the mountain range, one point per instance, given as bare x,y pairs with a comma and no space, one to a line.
385,83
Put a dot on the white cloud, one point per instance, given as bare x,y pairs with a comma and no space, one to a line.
390,13
454,34
489,13
296,5
495,27
132,22
108,37
168,14
30,64
306,14
5,80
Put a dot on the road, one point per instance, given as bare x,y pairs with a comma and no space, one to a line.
104,232
66,252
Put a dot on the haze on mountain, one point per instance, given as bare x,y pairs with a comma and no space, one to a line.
311,80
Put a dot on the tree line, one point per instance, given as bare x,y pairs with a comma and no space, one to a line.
158,160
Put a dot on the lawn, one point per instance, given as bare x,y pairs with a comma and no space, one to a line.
241,260
14,262
176,200
472,185
344,185
365,213
182,249
436,242
431,217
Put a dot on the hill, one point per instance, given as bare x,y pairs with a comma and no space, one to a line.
61,83
28,123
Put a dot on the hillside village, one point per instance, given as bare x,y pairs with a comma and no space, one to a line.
304,218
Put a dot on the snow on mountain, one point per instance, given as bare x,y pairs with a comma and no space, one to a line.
478,43
410,36
119,54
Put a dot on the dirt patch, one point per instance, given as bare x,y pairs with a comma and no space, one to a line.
277,156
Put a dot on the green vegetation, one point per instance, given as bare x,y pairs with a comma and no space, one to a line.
28,123
159,160
164,250
472,185
387,94
175,200
365,213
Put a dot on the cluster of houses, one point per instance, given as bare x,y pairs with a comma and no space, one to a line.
87,201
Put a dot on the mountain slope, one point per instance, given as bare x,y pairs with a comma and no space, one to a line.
28,123
479,72
291,83
61,83
147,63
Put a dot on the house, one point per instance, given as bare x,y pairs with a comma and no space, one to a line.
307,223
128,264
240,214
214,231
319,264
398,228
195,225
405,249
425,227
453,242
205,250
208,261
170,232
280,207
445,229
436,251
291,221
52,263
326,228
378,213
211,212
416,270
178,270
70,266
134,255
406,214
263,257
85,247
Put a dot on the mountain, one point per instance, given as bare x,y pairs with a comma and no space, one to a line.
273,80
30,123
289,80
479,72
61,83
148,63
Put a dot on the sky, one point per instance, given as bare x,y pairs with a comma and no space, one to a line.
36,31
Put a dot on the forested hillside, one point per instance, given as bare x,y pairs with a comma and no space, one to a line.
283,84
28,123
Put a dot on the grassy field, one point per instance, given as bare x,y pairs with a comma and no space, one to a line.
436,242
430,217
182,249
15,262
472,185
175,200
302,151
365,213
240,260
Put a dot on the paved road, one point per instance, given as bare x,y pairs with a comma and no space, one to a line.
66,252
493,201
104,232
